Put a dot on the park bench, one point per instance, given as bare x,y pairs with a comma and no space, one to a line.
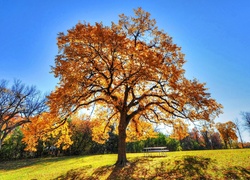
161,151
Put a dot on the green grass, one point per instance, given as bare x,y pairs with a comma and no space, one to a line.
213,164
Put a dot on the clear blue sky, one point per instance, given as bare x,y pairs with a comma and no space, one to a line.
214,35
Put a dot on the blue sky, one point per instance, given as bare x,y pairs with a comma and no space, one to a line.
213,35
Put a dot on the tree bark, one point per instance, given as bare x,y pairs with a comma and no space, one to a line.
122,157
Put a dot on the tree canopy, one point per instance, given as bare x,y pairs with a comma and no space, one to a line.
132,72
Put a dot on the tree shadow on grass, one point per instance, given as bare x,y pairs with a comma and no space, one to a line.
237,172
187,167
193,167
80,173
109,172
137,169
17,164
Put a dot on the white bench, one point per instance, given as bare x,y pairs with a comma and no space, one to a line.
160,150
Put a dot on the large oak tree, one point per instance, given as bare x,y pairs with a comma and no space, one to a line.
132,72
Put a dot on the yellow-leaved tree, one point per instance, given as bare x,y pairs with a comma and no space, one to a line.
43,128
132,72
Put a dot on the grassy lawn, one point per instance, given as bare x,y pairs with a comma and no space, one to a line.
213,164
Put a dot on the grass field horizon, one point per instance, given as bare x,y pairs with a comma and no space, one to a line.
206,164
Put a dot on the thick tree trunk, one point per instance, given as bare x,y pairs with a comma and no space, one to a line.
122,158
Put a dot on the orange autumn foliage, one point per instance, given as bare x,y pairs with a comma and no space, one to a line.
140,130
227,132
44,128
102,122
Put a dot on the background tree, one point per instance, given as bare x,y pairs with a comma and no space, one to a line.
216,140
159,140
173,144
81,136
192,141
43,129
195,135
162,140
111,145
81,129
228,132
238,128
180,130
18,104
132,71
246,120
206,131
13,147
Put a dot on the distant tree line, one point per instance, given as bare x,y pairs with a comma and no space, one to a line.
14,146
